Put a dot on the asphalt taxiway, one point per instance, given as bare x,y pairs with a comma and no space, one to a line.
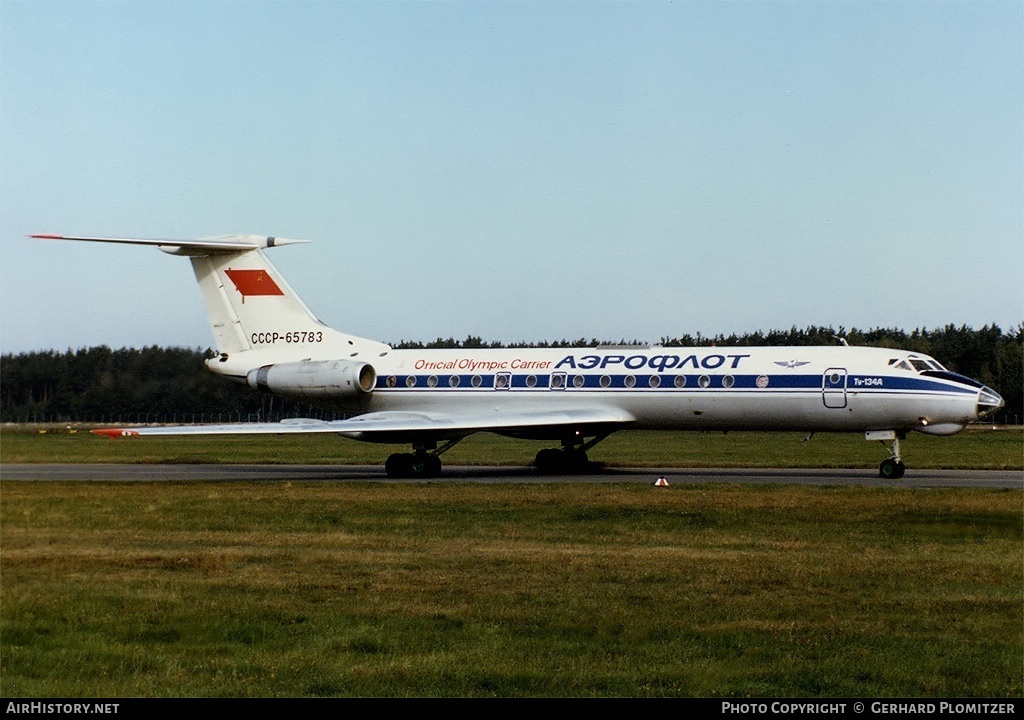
996,479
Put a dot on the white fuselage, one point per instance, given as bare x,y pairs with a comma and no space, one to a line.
740,388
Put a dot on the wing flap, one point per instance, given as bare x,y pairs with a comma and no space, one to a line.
449,424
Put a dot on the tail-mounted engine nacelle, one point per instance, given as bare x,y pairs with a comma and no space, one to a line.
316,379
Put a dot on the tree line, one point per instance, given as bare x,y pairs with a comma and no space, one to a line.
157,384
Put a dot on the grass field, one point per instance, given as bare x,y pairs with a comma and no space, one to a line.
420,589
441,590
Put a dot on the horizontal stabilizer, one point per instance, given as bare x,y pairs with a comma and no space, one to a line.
224,243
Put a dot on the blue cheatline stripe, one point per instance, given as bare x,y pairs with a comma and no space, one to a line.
862,384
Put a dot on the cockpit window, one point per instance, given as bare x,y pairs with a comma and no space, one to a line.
918,364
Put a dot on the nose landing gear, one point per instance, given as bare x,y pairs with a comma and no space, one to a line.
892,468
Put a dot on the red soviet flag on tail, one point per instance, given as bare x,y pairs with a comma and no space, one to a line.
254,282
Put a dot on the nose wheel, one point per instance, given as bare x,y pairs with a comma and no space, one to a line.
892,468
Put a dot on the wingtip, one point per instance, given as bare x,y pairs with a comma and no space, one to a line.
115,432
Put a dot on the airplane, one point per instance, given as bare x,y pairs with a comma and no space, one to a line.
266,337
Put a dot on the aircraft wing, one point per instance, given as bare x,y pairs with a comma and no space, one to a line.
396,425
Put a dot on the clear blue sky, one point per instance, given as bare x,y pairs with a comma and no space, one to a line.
519,170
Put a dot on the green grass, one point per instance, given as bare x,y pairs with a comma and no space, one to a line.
434,589
419,589
976,448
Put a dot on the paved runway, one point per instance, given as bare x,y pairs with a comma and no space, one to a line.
374,473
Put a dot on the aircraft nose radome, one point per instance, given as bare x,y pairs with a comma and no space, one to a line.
988,401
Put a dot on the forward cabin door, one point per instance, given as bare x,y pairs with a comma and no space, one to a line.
833,388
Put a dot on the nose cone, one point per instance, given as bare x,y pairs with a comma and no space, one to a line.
988,401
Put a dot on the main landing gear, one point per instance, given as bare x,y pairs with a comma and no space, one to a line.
892,468
572,458
423,462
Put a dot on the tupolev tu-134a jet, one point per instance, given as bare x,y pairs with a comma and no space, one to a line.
431,399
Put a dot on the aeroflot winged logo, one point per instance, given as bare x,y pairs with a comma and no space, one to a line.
253,282
792,363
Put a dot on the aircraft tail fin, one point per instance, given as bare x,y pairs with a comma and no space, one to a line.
250,306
